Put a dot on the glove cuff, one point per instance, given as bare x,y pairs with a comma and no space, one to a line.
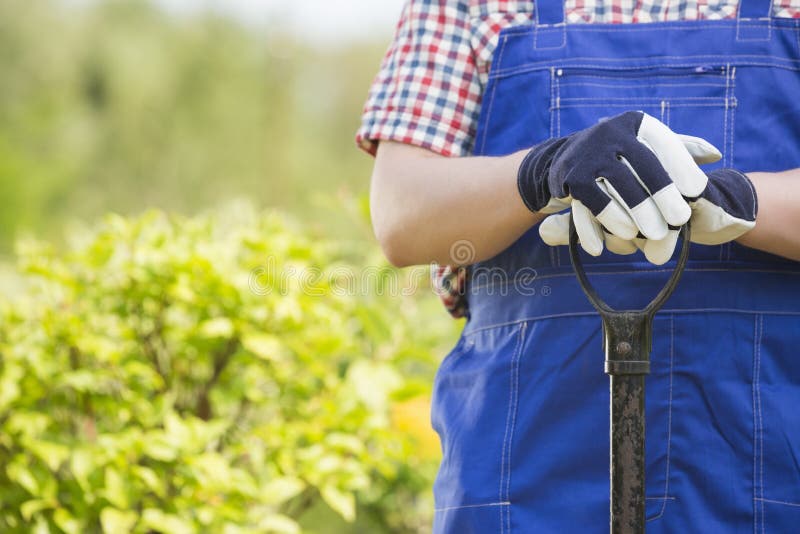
533,172
733,191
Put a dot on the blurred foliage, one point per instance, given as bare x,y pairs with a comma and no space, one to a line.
229,372
117,106
157,373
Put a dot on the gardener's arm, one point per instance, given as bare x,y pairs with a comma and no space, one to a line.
423,203
778,222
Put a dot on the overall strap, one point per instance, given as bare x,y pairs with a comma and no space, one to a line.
753,20
755,9
550,30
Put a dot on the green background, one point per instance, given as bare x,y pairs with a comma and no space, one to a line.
198,332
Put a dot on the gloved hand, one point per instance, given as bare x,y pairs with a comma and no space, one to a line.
724,211
630,173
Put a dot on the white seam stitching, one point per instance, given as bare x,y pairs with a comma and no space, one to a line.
779,23
633,271
449,508
761,419
763,500
516,362
755,429
733,108
593,313
669,411
637,86
642,98
491,98
541,66
503,451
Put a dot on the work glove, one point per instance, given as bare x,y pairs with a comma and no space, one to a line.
630,173
724,211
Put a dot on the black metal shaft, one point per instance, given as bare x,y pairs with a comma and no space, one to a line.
627,339
627,454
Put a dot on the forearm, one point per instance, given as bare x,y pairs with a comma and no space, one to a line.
778,219
423,203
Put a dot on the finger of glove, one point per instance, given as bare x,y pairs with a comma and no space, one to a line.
675,159
588,229
626,189
659,252
702,151
712,225
647,169
619,246
554,205
554,229
614,217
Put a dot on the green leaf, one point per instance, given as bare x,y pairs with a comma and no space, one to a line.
279,524
52,454
159,447
217,327
265,346
23,476
153,482
115,489
66,522
279,490
116,521
166,523
341,502
34,506
374,382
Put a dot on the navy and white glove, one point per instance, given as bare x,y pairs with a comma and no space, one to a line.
629,173
724,211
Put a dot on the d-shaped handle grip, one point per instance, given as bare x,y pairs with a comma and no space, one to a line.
598,302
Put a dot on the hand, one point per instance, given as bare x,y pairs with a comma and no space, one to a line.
629,173
724,211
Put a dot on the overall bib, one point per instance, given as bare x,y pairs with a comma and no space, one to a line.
521,402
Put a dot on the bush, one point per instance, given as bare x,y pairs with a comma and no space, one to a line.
164,374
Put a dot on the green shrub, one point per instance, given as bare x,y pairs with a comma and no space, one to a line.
166,374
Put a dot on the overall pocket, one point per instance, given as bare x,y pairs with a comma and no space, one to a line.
776,423
473,407
693,100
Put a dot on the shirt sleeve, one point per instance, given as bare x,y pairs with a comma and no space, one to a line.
427,92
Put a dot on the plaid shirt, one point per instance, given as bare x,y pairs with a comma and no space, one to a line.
428,90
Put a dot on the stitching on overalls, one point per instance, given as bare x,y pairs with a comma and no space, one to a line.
500,73
761,419
636,86
757,422
491,97
778,313
731,152
779,23
669,416
555,98
601,273
653,99
552,99
450,508
508,436
777,502
757,23
676,76
718,104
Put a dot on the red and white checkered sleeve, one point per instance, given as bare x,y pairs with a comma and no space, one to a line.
427,92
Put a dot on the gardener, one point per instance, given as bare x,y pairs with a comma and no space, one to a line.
489,116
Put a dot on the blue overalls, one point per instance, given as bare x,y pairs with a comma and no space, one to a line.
521,402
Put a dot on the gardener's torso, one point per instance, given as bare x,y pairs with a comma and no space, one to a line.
521,403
